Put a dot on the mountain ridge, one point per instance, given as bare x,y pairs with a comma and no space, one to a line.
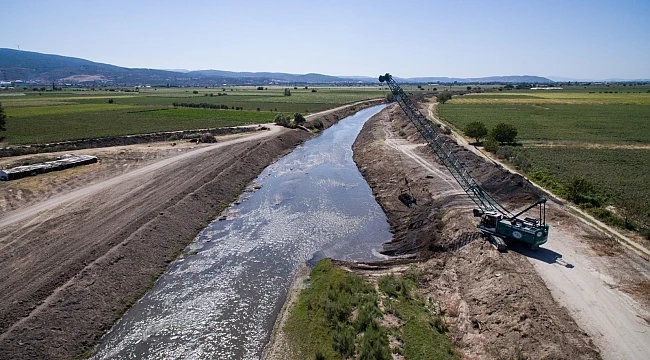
39,68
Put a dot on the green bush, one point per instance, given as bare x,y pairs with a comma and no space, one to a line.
582,191
344,338
284,120
395,287
491,145
543,178
504,133
374,345
444,97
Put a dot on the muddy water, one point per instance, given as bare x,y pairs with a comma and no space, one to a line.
221,300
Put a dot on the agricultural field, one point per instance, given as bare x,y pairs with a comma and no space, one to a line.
51,116
589,145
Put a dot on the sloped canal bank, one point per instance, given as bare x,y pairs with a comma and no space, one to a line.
221,300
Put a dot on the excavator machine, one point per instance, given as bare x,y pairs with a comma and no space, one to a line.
496,222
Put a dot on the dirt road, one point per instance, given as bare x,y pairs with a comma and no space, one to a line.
571,264
590,285
52,203
73,263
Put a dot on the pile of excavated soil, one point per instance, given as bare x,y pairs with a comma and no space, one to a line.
495,303
71,271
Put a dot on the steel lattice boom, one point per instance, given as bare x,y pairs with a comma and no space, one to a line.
429,132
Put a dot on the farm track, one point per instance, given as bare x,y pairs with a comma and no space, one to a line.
75,262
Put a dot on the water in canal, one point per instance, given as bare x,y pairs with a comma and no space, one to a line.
221,300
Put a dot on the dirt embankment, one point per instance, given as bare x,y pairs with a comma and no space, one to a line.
71,270
495,303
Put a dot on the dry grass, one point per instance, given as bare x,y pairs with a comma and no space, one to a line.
602,244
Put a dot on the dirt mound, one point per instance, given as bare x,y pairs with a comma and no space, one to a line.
496,304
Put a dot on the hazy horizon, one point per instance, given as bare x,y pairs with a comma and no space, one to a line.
464,39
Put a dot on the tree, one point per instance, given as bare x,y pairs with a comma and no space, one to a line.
504,133
444,97
298,119
3,119
469,88
287,92
476,130
282,120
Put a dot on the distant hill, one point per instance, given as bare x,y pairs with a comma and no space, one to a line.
33,67
280,77
483,80
38,68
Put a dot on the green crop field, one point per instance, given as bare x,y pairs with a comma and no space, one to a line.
51,116
569,136
558,116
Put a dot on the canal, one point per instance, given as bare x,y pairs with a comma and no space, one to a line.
221,298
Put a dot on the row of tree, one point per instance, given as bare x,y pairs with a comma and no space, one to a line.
501,134
207,106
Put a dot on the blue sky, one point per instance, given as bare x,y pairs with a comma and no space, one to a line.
575,39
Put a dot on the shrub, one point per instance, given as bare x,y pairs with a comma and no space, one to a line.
283,120
343,338
110,101
491,145
374,345
195,92
298,119
395,287
3,119
581,192
444,97
287,92
208,138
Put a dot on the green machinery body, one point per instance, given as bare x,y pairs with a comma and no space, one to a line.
496,221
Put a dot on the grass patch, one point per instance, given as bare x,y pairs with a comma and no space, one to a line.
339,317
322,321
423,333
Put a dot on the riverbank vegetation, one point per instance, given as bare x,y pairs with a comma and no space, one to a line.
346,316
